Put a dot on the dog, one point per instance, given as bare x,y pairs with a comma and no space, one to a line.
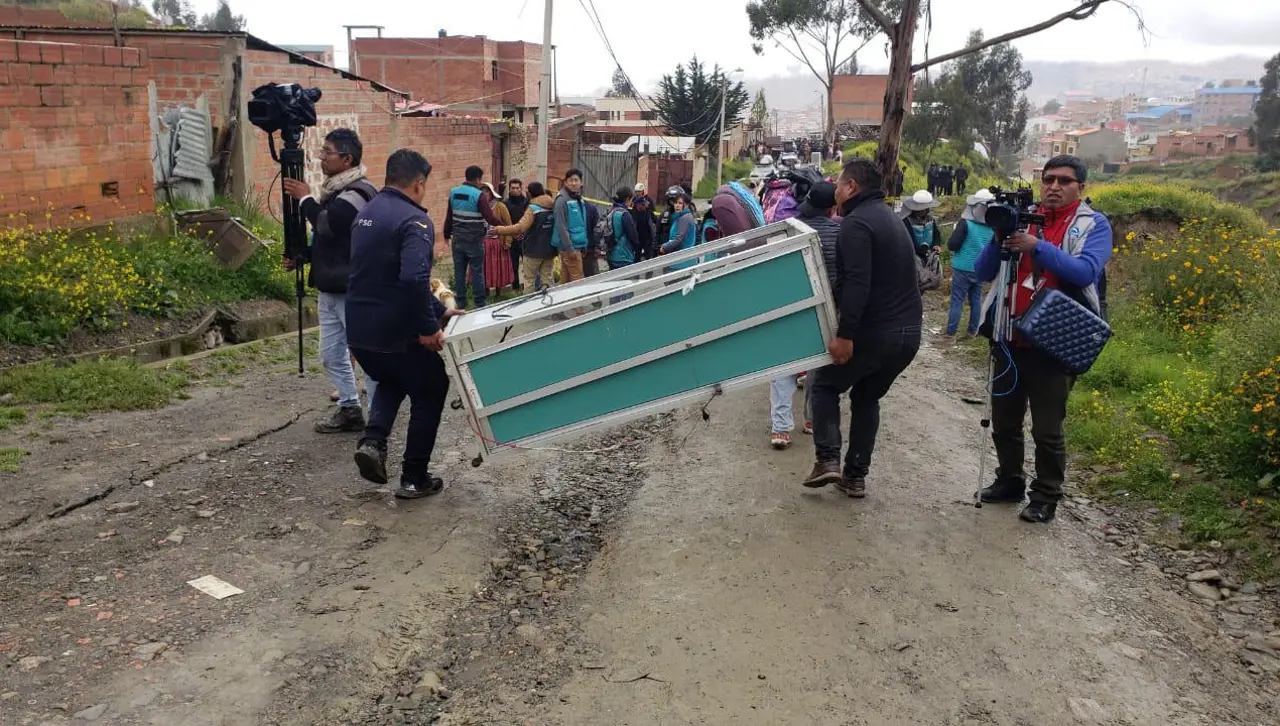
444,294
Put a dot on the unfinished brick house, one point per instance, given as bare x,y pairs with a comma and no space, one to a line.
74,120
468,74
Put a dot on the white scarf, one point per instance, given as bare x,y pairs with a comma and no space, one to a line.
336,183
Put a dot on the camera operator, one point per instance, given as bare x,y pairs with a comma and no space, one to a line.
1069,254
342,195
397,325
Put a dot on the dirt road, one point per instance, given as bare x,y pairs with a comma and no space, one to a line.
676,574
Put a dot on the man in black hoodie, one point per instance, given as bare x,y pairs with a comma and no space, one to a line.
880,314
342,195
516,202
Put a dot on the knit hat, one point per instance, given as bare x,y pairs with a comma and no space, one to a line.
822,195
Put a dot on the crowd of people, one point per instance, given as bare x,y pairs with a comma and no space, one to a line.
946,180
372,251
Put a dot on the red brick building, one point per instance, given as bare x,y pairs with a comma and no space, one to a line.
75,123
859,100
467,74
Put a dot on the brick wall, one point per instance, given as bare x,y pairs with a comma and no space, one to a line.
451,145
454,70
74,131
182,65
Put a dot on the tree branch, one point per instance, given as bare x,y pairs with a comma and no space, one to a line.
1085,10
869,7
805,58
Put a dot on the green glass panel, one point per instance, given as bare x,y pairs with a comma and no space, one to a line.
791,338
625,334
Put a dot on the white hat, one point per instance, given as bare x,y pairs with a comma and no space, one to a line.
920,201
982,196
640,188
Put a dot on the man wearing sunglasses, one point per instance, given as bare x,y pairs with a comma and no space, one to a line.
1069,254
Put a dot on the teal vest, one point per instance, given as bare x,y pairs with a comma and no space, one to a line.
922,234
976,236
464,200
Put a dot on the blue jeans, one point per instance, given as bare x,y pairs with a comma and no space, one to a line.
964,286
331,308
466,254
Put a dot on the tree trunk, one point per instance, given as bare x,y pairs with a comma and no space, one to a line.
897,91
829,123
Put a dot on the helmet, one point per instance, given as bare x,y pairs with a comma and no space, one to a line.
674,192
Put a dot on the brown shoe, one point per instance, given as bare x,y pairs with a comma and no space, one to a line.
855,487
824,473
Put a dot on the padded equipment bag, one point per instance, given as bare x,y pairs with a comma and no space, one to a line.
1063,329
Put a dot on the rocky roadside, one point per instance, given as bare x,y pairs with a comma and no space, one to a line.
1246,614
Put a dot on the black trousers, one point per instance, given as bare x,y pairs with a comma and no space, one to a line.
878,359
419,375
515,251
1036,381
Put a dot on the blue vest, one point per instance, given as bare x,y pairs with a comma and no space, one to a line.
624,251
976,236
464,200
922,234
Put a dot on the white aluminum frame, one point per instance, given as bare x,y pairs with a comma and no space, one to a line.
642,282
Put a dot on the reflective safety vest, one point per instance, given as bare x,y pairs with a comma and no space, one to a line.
464,200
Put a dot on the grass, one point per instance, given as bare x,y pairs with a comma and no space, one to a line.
11,416
54,280
11,460
108,384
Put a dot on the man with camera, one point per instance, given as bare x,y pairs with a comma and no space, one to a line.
1068,253
342,195
397,325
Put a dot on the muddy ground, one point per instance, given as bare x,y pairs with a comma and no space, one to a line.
672,572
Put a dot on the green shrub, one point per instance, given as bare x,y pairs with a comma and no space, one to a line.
1130,198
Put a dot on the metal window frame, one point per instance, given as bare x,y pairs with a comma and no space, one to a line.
655,280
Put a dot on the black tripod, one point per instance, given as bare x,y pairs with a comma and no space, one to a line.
1001,329
291,159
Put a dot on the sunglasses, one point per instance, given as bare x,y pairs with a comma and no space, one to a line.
1062,181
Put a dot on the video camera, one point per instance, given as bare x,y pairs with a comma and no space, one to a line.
288,108
1010,212
283,107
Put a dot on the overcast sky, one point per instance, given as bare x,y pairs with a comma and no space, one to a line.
1184,30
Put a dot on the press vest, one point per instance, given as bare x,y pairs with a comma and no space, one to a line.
976,236
468,222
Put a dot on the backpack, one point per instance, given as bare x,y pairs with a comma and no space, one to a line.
537,241
929,271
749,203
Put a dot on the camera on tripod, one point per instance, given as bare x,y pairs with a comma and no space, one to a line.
1010,212
288,108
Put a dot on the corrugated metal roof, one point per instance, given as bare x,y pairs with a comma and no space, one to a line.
1233,91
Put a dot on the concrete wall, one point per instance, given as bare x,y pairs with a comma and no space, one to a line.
74,131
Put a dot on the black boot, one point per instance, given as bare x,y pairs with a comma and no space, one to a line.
340,420
1039,512
1004,490
854,485
372,461
416,486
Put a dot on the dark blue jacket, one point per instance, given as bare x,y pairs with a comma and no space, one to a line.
389,300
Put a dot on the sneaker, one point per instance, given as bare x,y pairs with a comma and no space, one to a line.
1004,490
417,489
345,418
371,459
808,428
1039,512
780,440
824,473
854,486
800,379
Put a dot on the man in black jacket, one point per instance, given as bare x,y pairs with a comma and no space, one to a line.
342,195
397,324
880,316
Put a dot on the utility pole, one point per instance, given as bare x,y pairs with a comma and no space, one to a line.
352,65
544,96
720,145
